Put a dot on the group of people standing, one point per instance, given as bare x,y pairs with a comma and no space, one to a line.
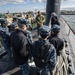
44,51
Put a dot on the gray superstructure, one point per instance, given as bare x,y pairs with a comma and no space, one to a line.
52,6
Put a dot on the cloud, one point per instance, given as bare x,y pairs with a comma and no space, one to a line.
64,3
39,0
11,1
68,4
70,0
18,1
24,1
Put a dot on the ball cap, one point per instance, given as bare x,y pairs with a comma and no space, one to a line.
45,30
3,21
13,25
15,18
55,28
23,22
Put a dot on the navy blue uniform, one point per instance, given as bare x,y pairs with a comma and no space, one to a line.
29,37
18,43
54,20
4,33
21,43
44,55
57,42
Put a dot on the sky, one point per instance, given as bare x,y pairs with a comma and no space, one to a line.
30,5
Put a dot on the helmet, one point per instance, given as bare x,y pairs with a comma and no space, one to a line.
56,27
44,30
13,25
24,22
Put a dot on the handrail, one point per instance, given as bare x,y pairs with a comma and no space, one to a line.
70,21
69,26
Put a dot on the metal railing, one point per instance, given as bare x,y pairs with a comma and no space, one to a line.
71,35
70,29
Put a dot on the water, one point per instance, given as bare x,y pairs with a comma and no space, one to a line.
70,20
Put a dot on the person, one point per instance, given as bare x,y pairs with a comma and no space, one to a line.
29,20
4,33
15,19
44,53
20,41
28,36
40,19
13,26
55,40
54,20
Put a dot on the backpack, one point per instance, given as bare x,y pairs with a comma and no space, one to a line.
41,54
